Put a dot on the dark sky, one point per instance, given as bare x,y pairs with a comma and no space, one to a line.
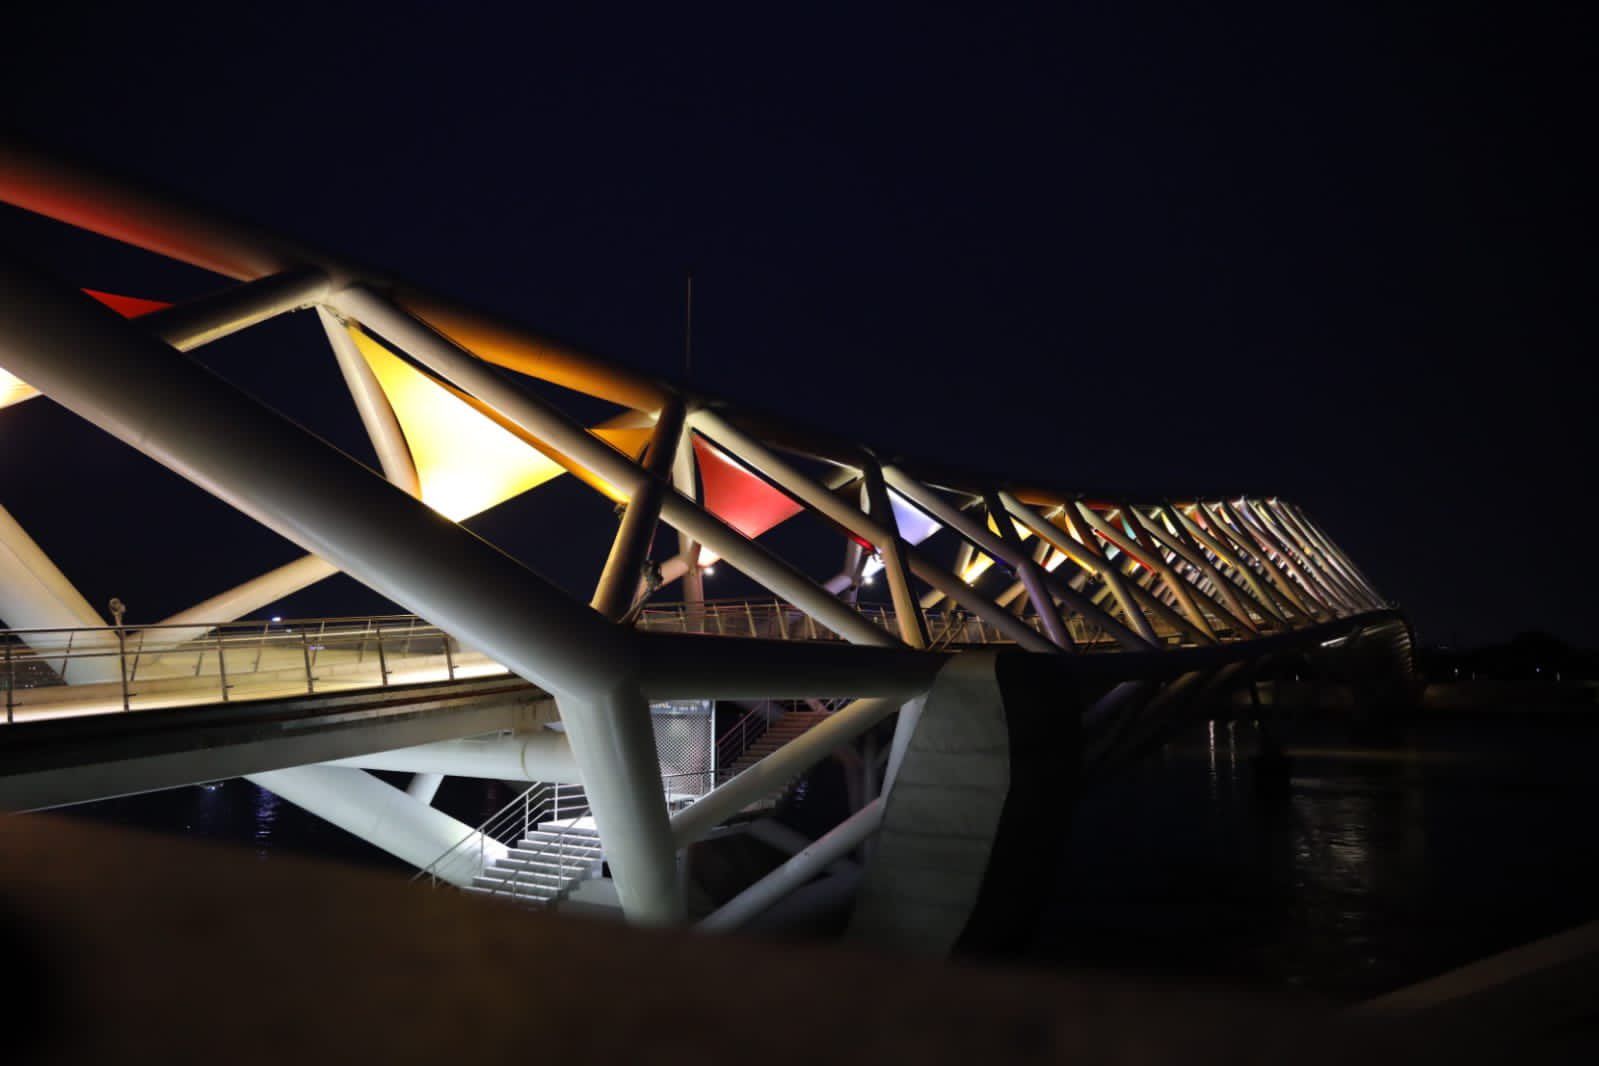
1328,251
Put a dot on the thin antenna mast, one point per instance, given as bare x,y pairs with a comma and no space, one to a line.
688,328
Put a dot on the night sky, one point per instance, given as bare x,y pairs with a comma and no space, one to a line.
1332,252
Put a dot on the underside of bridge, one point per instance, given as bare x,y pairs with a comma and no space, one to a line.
1031,636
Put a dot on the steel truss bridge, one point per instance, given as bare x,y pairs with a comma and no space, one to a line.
1008,603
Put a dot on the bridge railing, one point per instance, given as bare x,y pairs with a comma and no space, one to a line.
89,670
772,619
93,670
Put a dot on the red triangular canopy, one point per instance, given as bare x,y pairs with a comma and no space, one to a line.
737,496
127,306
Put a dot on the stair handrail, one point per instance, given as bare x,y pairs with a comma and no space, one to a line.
726,752
523,809
567,800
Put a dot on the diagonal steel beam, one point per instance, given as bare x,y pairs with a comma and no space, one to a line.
1152,561
174,410
1222,595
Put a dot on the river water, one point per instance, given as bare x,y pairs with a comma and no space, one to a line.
1379,862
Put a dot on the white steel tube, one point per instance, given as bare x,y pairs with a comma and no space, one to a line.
1240,583
907,612
799,870
424,787
686,482
1173,583
380,814
991,543
779,768
1029,572
1091,562
618,583
1301,587
840,511
35,594
1354,595
1281,610
372,404
545,755
193,422
1320,584
572,440
240,600
613,738
189,325
1248,546
1224,600
904,727
1319,536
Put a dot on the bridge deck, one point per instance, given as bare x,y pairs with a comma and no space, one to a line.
75,758
49,674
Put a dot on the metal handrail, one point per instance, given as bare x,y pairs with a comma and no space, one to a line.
737,739
562,800
538,802
175,664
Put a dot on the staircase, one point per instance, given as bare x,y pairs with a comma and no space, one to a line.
544,866
780,732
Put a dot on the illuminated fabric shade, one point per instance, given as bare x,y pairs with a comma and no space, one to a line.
914,527
465,461
737,496
127,306
981,563
619,432
14,390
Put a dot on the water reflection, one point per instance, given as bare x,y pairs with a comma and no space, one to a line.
1373,865
266,817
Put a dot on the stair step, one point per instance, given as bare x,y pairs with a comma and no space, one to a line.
521,876
516,888
553,842
530,902
578,831
538,862
489,893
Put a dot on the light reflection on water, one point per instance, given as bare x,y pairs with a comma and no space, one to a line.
1380,864
266,817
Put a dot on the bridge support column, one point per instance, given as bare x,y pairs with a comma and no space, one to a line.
613,739
423,787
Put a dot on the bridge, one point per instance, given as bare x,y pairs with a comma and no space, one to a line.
1031,635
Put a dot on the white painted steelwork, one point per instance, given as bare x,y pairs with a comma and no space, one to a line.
1101,581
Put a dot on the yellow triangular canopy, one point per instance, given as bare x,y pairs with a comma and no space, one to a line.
467,458
466,463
